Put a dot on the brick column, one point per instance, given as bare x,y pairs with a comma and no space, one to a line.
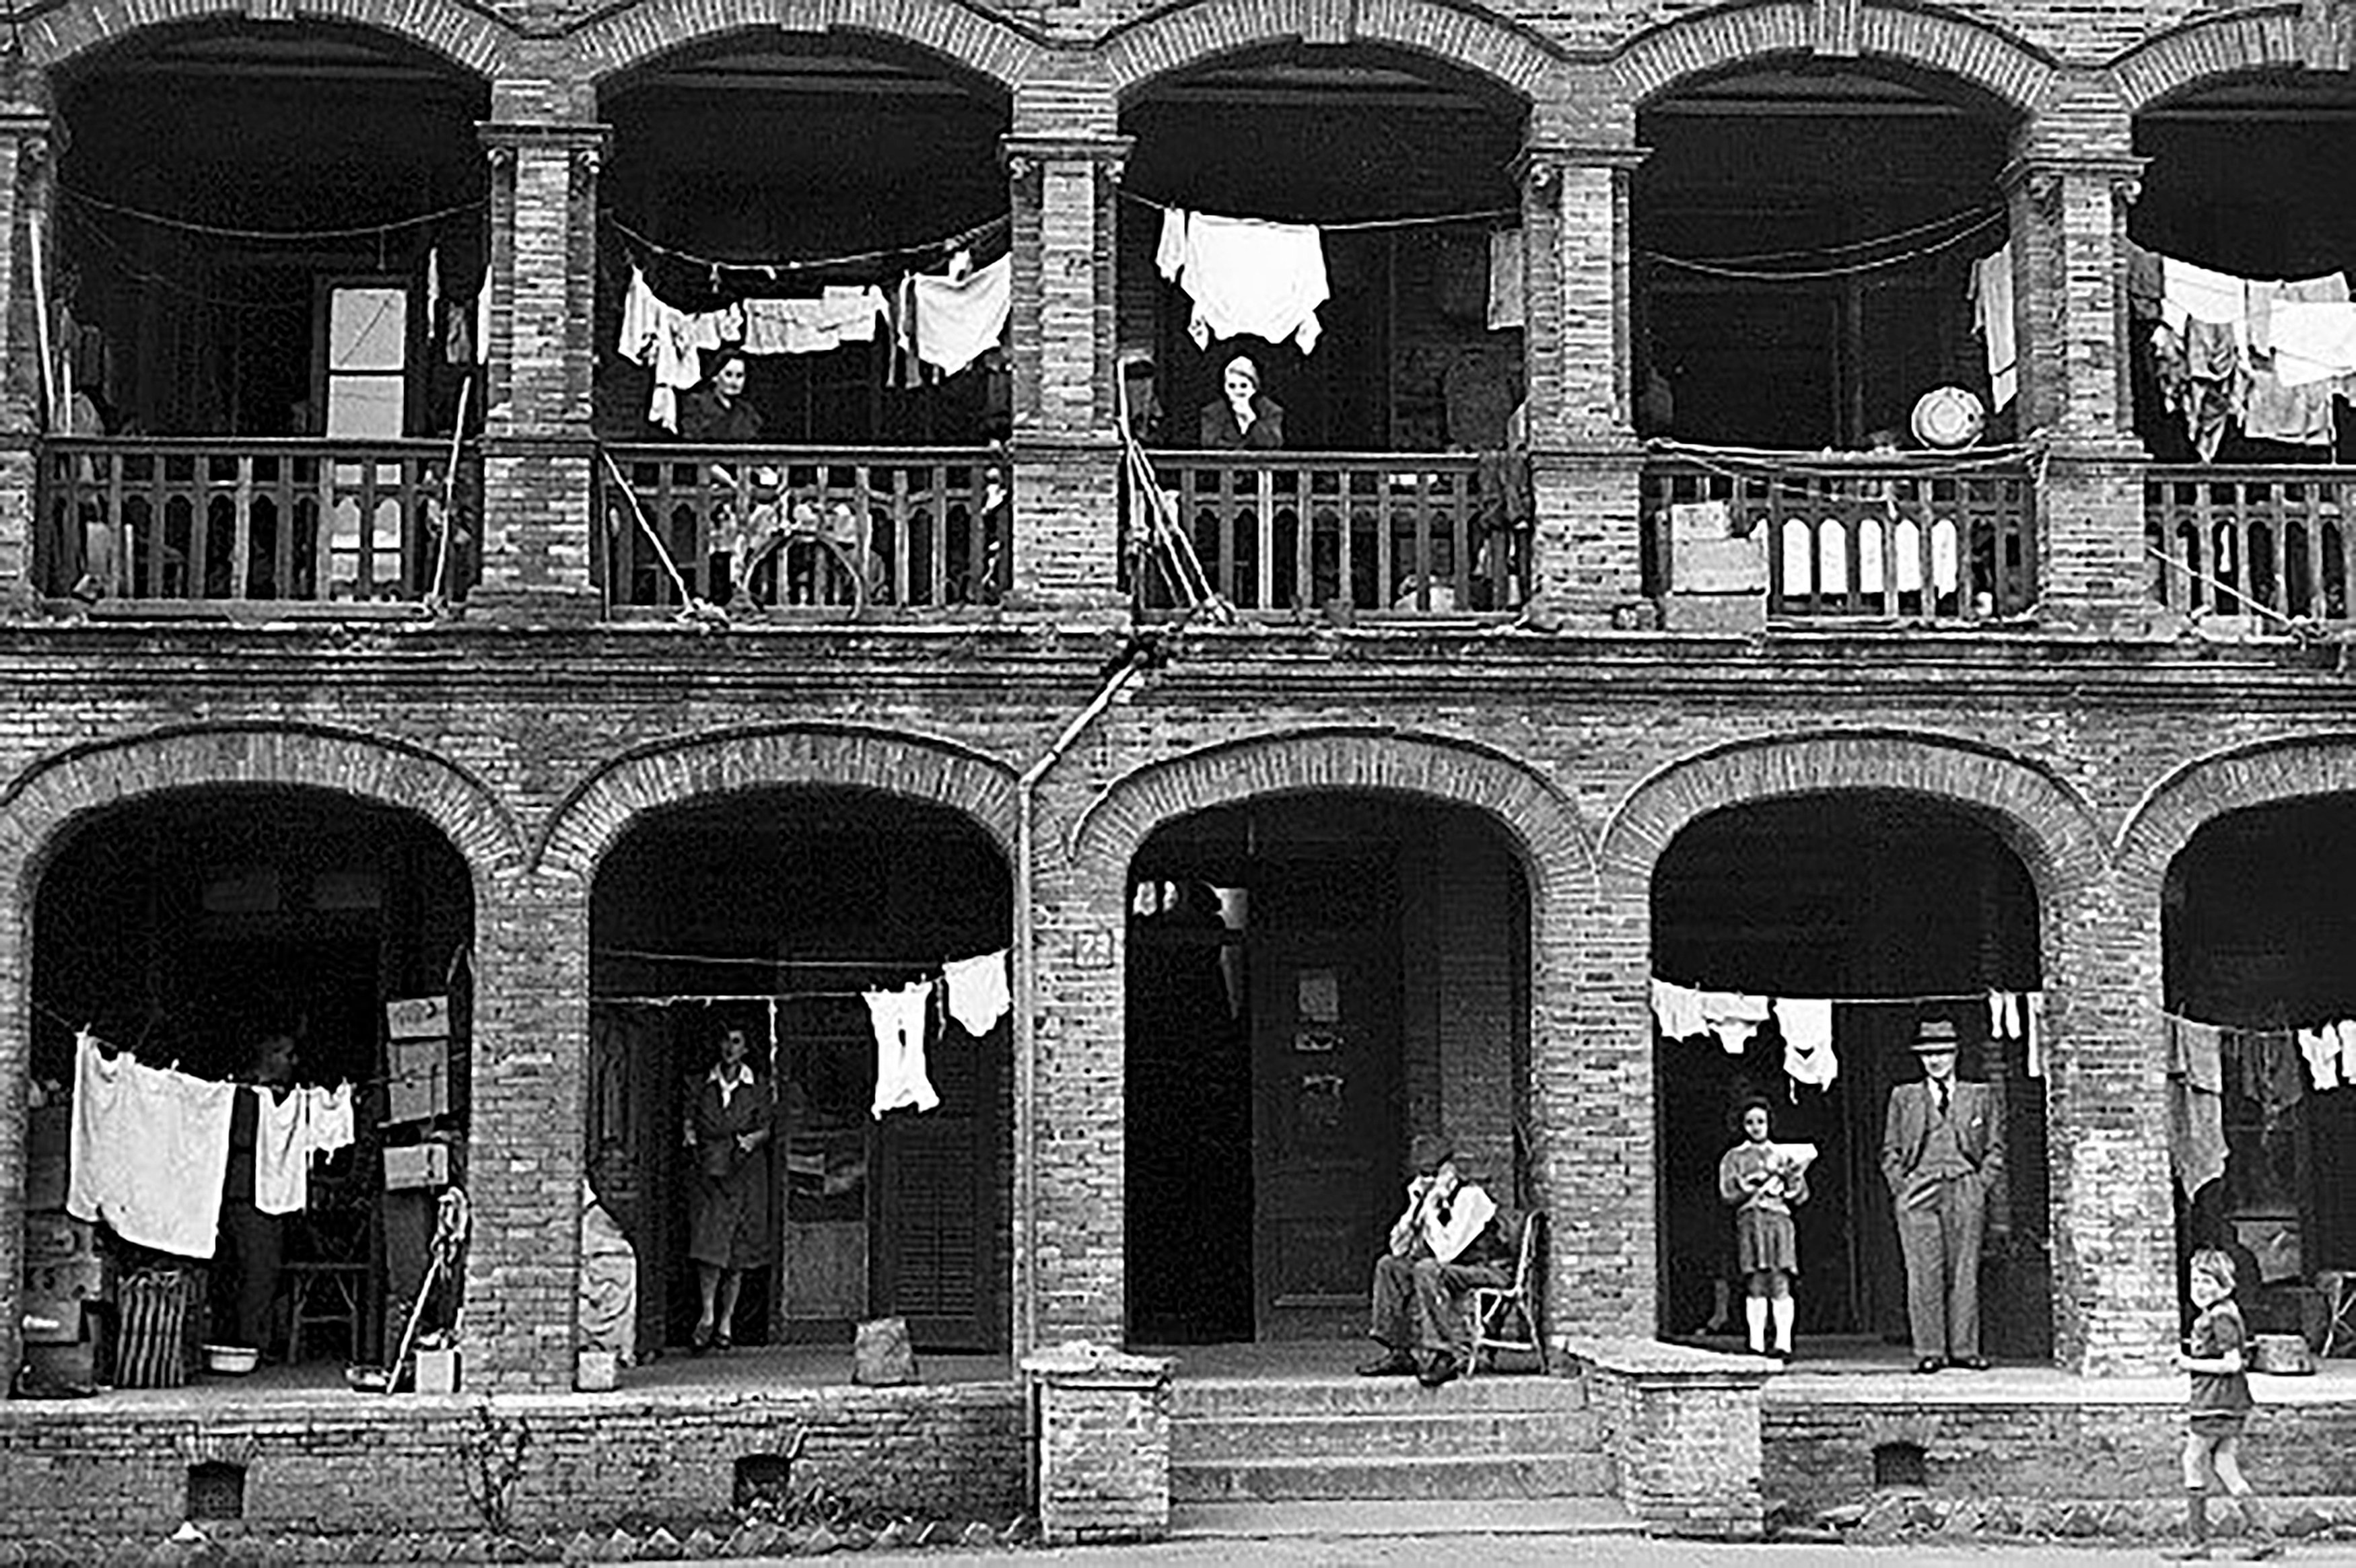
2069,238
27,183
538,451
1063,172
1584,457
525,1133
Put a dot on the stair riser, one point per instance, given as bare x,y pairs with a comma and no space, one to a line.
1385,1397
1548,1476
1452,1436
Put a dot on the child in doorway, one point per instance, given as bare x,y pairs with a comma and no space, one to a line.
2219,1409
1762,1180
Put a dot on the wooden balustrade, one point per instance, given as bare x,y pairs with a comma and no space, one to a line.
198,520
1849,537
1411,533
761,528
2247,541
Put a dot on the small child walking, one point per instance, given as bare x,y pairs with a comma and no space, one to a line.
2219,1409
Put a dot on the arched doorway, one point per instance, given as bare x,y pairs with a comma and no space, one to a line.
1312,979
188,928
2256,938
1893,908
776,911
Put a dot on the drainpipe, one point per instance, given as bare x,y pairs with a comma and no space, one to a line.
1135,660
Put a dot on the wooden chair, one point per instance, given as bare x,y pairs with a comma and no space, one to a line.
1505,1317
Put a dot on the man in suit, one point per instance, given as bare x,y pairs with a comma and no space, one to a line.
1942,1152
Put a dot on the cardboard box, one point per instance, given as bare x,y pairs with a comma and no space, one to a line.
417,1164
437,1371
419,1085
1727,613
418,1018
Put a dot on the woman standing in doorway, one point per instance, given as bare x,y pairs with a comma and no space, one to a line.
731,1115
1762,1180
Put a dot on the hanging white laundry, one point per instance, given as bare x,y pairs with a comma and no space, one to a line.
2032,1027
148,1151
977,991
959,319
1993,319
2187,291
1170,255
900,1019
483,319
1252,279
2004,1015
2312,341
2320,1047
2347,1029
1807,1028
1508,302
2264,297
1677,1010
329,1115
1734,1016
282,1153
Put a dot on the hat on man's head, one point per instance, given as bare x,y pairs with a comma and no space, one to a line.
1933,1036
1429,1151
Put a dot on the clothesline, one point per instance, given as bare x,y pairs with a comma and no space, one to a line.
687,998
1437,219
2225,589
1818,274
270,235
666,957
1981,995
772,271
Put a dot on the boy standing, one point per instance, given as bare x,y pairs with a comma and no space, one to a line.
2219,1408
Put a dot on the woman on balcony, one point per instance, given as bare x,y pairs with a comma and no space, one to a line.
717,411
1242,420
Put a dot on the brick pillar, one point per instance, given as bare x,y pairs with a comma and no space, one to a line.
525,1131
1103,1466
2114,1230
1072,1203
538,451
2069,238
1584,458
1063,171
27,183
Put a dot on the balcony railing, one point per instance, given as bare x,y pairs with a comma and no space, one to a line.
1408,533
1853,537
786,529
2242,541
212,521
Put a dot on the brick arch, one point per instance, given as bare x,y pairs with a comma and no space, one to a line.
39,802
2047,824
467,39
2261,38
1531,810
1657,61
960,35
2197,792
595,813
1191,34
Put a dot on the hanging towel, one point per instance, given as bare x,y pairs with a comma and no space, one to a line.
1252,279
483,319
2330,289
1506,300
2320,1047
2197,294
900,1018
2277,410
282,1153
2312,341
1677,1010
1992,318
2196,1105
1170,255
1808,1027
2347,1032
329,1113
1734,1016
959,319
148,1151
2032,1027
977,989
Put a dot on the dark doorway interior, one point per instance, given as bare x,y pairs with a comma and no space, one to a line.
1848,896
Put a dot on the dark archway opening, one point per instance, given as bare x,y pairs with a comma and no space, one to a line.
1896,908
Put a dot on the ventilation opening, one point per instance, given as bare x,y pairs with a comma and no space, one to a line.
216,1491
763,1478
1899,1464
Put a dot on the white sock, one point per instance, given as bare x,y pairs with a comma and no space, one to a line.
1784,1309
1754,1312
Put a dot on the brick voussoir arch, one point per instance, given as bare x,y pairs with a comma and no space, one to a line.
36,804
961,36
1527,804
467,39
2051,824
2006,68
1143,52
2261,38
585,824
2198,791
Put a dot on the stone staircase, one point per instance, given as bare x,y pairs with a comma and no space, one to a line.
1292,1440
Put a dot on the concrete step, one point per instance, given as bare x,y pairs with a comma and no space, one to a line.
1398,1519
1212,1398
1528,1476
1421,1435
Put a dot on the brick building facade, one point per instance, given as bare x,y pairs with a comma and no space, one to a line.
1489,819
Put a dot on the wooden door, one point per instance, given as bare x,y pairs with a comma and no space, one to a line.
1326,1137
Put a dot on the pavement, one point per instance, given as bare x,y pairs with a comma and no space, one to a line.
1468,1551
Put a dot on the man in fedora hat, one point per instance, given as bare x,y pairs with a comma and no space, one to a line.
1942,1151
1446,1242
